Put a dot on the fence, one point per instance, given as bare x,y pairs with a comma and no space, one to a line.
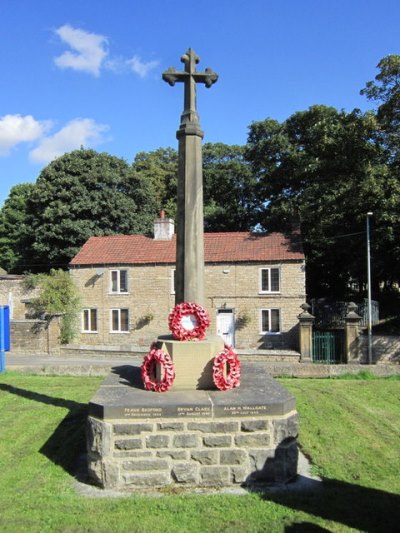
332,314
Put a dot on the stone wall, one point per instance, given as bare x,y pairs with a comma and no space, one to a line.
192,452
13,293
150,298
385,348
35,337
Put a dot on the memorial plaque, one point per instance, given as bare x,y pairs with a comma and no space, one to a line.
121,396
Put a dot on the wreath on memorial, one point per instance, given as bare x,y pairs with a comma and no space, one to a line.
148,370
226,369
188,321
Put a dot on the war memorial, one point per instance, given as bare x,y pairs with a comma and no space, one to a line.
193,415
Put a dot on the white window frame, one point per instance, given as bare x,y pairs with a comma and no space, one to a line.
89,311
119,311
269,310
118,280
172,281
269,291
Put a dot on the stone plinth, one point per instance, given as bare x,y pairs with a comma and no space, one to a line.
193,361
197,438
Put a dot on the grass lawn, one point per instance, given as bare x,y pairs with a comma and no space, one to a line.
349,428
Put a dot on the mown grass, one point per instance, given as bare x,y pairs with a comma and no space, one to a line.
349,429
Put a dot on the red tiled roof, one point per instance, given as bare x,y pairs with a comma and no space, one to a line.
218,248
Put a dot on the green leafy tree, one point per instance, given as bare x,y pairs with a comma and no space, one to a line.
230,199
57,296
385,91
230,202
14,229
159,170
80,194
323,170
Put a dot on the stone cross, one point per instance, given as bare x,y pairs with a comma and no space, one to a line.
190,77
189,280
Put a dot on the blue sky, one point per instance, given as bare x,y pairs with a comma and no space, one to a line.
88,72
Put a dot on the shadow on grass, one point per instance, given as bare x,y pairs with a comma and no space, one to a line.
67,443
360,508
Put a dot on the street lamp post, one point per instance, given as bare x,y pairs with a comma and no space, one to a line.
369,214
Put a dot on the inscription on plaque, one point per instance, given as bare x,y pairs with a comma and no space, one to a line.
188,411
143,412
241,410
194,411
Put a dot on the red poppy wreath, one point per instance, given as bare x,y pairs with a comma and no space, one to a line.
188,321
148,371
226,369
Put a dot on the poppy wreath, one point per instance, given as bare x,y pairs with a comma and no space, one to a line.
229,360
187,309
148,371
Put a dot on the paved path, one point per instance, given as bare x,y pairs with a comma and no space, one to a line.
101,366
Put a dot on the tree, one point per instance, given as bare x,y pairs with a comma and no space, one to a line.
159,170
323,170
230,203
58,296
385,90
230,200
14,229
80,194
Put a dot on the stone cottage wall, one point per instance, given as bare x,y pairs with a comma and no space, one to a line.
150,298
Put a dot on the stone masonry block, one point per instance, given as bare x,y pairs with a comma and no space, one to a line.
128,444
145,464
111,474
147,479
259,457
286,461
215,476
252,439
205,457
185,473
254,425
157,441
131,429
98,437
133,453
185,440
217,441
233,457
214,427
175,455
286,428
170,426
95,471
239,474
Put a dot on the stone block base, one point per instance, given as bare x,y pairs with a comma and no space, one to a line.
193,361
202,438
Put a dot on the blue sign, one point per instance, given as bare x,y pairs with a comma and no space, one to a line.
4,334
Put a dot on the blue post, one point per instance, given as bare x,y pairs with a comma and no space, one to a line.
4,335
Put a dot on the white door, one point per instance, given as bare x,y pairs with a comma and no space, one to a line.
226,326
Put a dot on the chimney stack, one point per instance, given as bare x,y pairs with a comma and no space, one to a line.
164,228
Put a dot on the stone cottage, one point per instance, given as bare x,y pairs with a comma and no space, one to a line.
255,284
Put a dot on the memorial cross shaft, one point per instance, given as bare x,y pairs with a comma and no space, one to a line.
189,280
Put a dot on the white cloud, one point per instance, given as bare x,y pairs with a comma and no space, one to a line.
88,50
78,132
140,67
15,129
90,54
